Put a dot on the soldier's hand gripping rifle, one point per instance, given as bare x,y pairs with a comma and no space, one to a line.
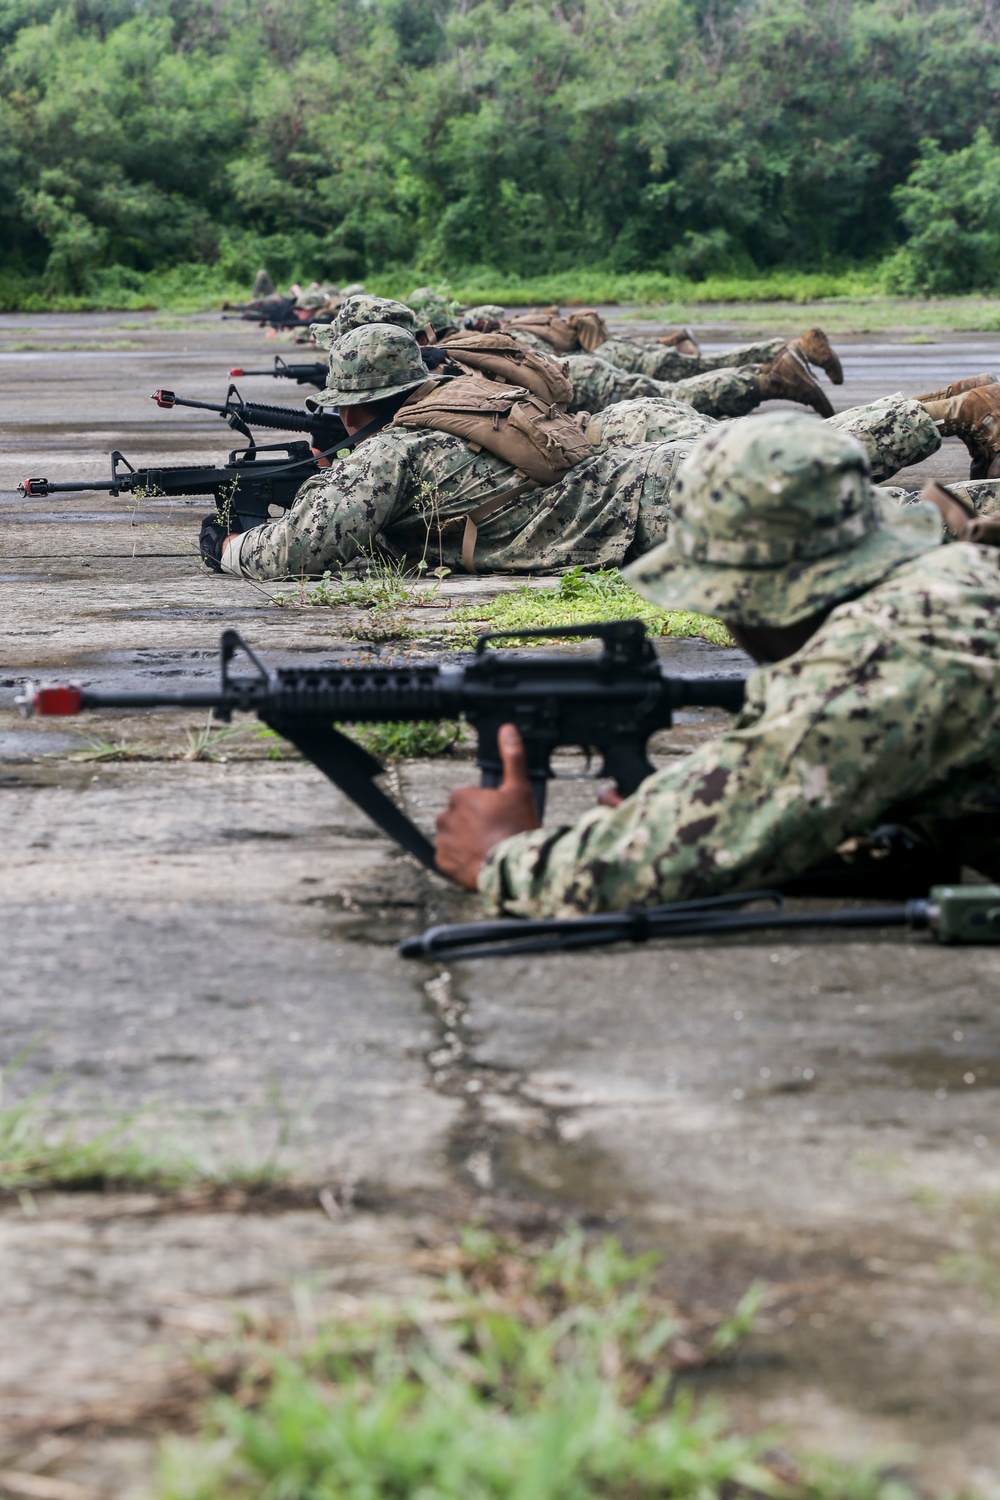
325,429
245,489
312,373
609,702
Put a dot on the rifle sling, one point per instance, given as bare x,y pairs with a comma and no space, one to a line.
488,508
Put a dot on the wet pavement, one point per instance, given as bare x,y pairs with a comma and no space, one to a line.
210,943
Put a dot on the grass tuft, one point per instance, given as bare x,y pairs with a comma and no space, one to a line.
581,599
408,741
551,1373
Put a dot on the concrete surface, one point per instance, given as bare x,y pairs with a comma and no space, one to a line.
210,943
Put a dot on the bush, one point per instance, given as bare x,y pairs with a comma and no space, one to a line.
950,205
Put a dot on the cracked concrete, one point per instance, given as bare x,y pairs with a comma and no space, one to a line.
211,944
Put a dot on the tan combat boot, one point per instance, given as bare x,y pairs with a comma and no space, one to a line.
973,416
789,379
814,346
957,388
684,342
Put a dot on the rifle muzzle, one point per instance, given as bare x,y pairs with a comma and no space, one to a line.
166,399
33,487
57,701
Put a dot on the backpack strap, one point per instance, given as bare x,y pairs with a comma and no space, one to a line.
488,508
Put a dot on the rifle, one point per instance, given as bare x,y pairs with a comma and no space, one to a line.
325,429
247,486
314,373
610,702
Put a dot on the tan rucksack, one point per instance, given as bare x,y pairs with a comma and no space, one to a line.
541,441
498,356
584,330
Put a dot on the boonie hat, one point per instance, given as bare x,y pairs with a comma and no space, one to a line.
774,519
371,363
355,312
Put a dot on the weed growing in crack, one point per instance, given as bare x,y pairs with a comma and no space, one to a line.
100,749
551,1372
40,1152
203,744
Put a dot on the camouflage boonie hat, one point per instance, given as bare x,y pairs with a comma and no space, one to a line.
774,519
356,312
430,307
314,296
371,363
487,312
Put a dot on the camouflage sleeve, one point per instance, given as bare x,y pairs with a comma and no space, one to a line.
335,516
819,752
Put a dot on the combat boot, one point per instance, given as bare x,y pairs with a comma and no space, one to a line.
973,416
684,342
789,378
814,346
957,388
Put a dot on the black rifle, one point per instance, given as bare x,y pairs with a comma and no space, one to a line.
325,429
611,703
314,373
246,487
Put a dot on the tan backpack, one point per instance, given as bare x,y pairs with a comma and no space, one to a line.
584,330
541,441
499,357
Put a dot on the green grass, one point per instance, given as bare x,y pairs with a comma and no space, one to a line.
407,741
526,1374
39,1151
579,599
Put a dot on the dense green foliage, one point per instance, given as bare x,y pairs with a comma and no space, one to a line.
352,137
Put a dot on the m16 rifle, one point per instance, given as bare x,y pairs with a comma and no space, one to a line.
312,373
247,488
610,702
325,429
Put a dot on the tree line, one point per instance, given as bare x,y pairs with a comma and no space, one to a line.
693,137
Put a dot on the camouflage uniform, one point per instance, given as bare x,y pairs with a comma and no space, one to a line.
889,712
411,491
894,431
664,362
597,384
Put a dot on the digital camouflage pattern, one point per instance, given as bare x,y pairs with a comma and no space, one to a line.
651,419
664,362
430,307
776,519
409,492
718,393
890,713
356,312
895,432
371,363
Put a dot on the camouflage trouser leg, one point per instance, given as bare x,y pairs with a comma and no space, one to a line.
663,362
894,431
720,393
984,494
746,354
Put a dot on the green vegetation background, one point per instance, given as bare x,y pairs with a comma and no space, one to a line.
160,150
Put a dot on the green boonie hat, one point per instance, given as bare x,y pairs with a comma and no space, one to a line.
314,296
371,363
774,519
485,312
430,307
356,312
